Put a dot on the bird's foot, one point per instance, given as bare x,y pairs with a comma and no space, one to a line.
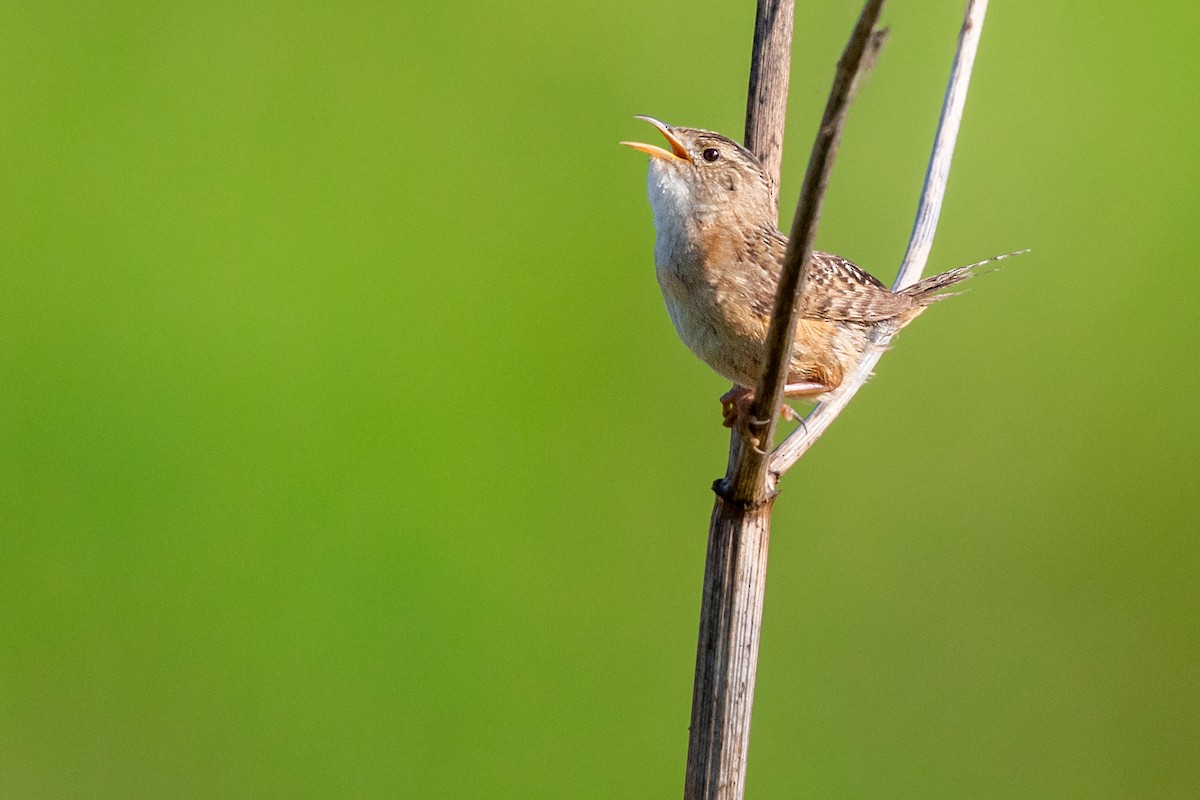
735,413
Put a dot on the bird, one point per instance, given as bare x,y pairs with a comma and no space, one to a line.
718,256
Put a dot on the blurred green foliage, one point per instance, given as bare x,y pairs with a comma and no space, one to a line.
346,450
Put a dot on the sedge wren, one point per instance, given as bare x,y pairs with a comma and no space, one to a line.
718,257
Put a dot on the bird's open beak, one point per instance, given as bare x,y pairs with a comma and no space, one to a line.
677,153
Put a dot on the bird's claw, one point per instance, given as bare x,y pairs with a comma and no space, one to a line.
735,413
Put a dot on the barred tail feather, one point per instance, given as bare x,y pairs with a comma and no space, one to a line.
930,289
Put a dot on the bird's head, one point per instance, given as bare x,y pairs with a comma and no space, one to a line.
703,175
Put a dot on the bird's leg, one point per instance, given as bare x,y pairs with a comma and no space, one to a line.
806,390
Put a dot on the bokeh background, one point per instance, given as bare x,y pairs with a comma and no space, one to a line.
346,449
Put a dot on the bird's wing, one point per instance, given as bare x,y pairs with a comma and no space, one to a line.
841,290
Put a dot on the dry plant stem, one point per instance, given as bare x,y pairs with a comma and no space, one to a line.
748,478
735,574
919,245
937,174
766,101
735,569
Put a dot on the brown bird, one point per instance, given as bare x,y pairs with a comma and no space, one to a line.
718,257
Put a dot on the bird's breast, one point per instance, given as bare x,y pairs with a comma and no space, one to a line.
708,312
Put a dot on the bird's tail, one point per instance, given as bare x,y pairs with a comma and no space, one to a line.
930,290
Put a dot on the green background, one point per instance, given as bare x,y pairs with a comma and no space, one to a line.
346,450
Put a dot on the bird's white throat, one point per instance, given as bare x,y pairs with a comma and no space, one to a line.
671,196
676,213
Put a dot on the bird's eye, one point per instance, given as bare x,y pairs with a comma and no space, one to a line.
711,154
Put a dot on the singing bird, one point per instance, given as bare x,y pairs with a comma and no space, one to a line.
718,257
